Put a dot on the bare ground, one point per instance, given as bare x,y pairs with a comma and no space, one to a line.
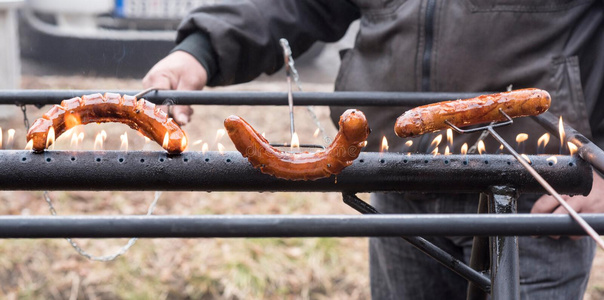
324,268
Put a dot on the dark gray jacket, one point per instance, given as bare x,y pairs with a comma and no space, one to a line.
431,45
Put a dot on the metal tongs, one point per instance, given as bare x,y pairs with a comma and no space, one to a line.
490,128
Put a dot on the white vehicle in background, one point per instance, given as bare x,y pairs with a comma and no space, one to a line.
110,19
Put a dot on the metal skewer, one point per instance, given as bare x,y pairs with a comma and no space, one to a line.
590,231
289,62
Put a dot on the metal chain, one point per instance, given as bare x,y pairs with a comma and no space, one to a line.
53,211
105,258
25,119
291,70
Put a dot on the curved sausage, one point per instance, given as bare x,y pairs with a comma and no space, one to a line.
482,109
140,115
345,148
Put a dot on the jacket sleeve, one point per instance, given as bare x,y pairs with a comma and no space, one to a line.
238,41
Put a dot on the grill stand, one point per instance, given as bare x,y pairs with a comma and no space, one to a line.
505,276
479,259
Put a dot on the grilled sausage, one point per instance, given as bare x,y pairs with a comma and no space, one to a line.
140,115
345,148
482,109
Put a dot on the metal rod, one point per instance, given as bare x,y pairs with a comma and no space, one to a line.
505,261
352,99
447,260
235,226
479,259
197,171
590,231
588,150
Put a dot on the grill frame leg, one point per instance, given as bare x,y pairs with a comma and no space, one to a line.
505,261
479,259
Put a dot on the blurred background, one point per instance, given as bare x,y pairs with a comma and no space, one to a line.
111,44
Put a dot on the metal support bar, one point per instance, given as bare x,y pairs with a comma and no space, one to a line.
351,99
233,226
587,149
479,259
505,266
196,171
475,278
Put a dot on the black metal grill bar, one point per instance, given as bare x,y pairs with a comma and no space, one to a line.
212,171
351,99
587,149
235,226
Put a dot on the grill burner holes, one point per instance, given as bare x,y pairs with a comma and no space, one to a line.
142,160
446,162
121,159
207,159
571,164
98,159
405,161
426,161
382,160
23,158
228,160
486,162
550,163
361,160
465,163
185,159
48,159
73,158
161,159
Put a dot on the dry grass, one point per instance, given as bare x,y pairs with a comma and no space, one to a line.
318,268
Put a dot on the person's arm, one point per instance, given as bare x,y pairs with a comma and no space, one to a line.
235,43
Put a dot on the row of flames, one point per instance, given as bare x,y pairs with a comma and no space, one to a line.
521,139
76,137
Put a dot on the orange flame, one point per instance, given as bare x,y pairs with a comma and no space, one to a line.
1,138
197,142
220,148
183,143
526,158
562,133
295,145
11,138
384,146
219,134
436,141
99,139
50,138
263,134
204,148
464,148
552,159
409,143
30,145
166,140
543,140
447,150
124,139
521,137
317,131
481,147
450,137
572,148
364,144
435,151
74,141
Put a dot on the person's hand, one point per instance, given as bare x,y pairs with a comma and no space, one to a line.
177,71
592,203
